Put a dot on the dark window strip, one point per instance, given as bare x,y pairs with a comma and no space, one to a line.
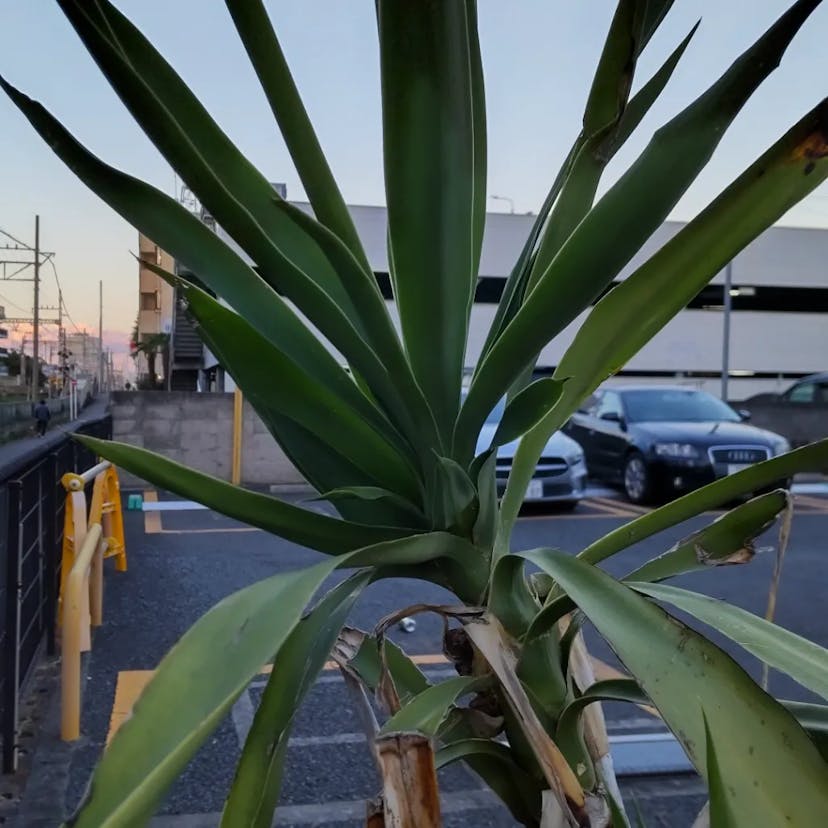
546,370
750,298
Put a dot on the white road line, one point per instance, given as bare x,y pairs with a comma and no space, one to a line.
326,812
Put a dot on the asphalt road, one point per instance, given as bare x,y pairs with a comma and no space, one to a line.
176,574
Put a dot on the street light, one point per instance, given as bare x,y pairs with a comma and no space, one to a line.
505,198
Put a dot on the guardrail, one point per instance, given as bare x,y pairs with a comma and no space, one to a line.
87,540
31,539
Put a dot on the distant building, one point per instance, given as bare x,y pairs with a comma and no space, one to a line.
163,324
84,353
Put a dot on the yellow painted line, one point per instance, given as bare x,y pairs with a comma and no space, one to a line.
601,515
152,520
616,507
819,504
130,685
209,531
626,508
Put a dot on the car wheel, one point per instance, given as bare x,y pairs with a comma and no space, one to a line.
636,478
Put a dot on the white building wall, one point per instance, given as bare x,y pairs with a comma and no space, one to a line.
787,343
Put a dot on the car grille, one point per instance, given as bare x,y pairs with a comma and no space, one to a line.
739,454
547,467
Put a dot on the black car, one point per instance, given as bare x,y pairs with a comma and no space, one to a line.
658,441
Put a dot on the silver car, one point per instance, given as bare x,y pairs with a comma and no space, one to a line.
561,473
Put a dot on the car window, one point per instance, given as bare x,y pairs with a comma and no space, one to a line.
802,393
822,392
610,403
676,405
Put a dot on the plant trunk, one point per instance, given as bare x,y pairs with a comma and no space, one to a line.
410,793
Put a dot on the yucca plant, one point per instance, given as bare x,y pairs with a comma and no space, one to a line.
390,444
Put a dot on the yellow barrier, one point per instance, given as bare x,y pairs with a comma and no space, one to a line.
104,509
80,592
87,540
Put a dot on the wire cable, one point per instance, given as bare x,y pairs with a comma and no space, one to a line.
60,297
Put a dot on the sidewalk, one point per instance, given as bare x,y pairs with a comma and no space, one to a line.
17,452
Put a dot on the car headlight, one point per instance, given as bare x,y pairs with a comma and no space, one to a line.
575,457
781,446
685,450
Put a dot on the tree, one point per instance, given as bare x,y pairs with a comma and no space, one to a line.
391,445
150,346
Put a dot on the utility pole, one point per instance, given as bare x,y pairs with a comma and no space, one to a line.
728,302
36,314
100,338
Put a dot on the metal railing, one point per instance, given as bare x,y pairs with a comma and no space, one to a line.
31,537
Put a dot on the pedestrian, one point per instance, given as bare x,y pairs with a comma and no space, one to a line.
42,416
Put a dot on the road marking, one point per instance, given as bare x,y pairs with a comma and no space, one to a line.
152,517
128,688
618,507
152,520
323,813
818,504
173,506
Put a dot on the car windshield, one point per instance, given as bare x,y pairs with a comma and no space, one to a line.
671,405
496,414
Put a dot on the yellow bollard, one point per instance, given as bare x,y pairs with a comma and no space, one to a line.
75,621
238,420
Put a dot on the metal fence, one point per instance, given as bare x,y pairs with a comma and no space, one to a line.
31,537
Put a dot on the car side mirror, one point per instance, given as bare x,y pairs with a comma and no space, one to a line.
744,415
613,417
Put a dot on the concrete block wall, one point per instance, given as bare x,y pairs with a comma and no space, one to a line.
197,430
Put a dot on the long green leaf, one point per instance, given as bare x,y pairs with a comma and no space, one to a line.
256,32
794,655
235,193
604,148
435,184
793,167
233,190
776,774
721,793
568,733
378,500
814,719
811,458
320,464
642,101
255,790
622,220
728,540
254,364
200,678
367,664
526,409
179,232
428,710
495,764
325,534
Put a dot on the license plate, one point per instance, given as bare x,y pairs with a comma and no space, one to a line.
535,490
732,468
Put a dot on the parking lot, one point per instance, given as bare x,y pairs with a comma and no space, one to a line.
182,561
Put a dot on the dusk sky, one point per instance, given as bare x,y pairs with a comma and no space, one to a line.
538,60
